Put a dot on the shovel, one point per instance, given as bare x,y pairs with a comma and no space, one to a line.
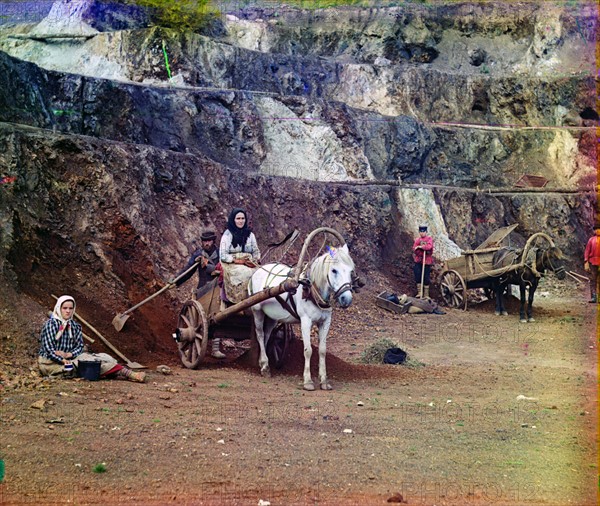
130,364
119,320
422,274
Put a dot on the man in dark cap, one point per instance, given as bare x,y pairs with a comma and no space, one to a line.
206,259
423,257
591,262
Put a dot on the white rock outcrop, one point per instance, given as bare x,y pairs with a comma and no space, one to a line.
65,18
418,207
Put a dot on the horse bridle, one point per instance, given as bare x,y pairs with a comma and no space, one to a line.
316,296
344,288
554,270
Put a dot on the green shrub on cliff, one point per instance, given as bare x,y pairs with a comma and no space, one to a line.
324,4
183,15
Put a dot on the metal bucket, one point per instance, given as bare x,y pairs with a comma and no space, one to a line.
89,369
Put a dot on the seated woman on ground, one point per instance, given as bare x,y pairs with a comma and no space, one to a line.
61,347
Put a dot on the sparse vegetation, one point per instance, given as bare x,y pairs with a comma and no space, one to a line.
413,362
374,353
99,468
323,4
181,15
567,319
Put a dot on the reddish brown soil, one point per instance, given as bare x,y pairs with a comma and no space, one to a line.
449,431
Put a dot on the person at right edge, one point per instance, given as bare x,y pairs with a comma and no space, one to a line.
591,262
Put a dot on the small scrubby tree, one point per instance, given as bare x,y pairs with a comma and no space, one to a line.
183,15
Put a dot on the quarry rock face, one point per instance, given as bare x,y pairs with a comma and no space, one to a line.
331,117
126,214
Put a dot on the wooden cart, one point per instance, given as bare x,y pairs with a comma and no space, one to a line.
203,318
474,268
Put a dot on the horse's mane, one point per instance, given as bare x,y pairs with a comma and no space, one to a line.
319,268
553,252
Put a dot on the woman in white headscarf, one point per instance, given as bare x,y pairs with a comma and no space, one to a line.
61,347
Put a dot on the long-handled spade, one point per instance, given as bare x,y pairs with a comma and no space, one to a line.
422,275
119,320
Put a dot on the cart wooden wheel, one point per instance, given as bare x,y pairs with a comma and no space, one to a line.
454,289
192,332
278,344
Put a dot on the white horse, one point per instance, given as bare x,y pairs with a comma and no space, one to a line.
325,279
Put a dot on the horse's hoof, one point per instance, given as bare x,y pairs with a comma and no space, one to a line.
309,386
523,321
326,386
531,320
265,373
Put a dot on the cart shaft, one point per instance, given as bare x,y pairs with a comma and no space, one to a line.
289,285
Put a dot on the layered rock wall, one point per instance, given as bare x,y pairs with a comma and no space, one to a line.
330,117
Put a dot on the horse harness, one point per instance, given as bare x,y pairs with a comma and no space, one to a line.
531,261
309,292
289,305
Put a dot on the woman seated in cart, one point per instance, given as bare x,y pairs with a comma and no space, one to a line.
238,243
61,347
239,255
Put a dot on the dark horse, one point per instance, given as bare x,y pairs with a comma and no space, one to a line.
538,261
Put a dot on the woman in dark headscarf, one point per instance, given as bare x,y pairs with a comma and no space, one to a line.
238,238
238,253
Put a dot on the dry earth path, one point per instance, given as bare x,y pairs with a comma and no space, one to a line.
491,412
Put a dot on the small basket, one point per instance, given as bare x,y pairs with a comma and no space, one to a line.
89,369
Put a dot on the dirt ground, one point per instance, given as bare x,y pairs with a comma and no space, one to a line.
490,411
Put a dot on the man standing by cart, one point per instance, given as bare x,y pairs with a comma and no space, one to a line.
206,259
423,257
591,263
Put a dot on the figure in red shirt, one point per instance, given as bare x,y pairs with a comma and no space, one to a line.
591,261
423,245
